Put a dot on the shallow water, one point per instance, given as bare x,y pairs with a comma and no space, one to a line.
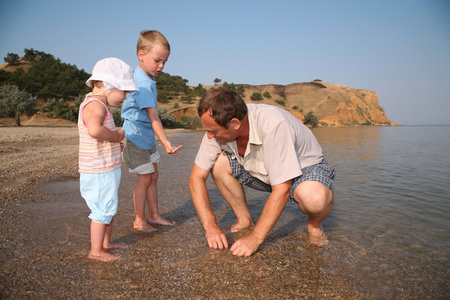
389,232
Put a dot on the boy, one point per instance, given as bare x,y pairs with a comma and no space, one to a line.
141,123
99,150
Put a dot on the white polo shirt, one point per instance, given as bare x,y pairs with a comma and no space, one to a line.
279,146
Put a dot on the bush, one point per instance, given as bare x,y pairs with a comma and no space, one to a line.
167,119
14,103
190,122
280,102
256,96
311,119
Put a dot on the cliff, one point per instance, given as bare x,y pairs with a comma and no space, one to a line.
334,105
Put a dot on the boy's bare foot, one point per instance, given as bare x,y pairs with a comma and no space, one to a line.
317,236
144,227
115,246
103,256
161,221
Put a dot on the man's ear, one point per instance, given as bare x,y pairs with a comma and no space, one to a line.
235,123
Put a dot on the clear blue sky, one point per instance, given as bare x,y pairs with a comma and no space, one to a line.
398,48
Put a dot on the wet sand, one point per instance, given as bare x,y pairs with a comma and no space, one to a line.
44,236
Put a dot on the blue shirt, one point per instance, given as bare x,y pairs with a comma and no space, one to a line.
137,126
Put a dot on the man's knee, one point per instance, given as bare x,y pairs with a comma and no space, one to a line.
313,197
221,166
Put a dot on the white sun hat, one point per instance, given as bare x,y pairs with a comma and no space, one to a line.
115,72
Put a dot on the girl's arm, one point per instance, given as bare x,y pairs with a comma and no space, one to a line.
93,117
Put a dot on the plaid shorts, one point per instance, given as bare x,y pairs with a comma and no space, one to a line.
321,172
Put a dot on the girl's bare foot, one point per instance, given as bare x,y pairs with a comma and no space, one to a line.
115,246
161,221
144,227
102,256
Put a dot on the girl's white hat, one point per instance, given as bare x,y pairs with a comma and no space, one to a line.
115,72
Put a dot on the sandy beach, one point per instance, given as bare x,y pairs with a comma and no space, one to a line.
45,236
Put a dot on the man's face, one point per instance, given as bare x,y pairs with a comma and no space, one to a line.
214,130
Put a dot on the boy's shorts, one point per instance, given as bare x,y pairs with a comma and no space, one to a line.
138,160
321,172
100,191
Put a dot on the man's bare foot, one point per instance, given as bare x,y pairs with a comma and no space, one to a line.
115,246
161,221
102,256
317,236
239,227
144,227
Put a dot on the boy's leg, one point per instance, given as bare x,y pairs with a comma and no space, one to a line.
140,198
107,244
98,231
152,201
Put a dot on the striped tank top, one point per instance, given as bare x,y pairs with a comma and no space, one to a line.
97,156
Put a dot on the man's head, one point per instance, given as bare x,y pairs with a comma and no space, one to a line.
222,105
221,112
153,51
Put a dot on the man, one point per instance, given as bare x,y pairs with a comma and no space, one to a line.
266,148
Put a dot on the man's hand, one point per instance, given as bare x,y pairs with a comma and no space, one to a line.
216,238
246,246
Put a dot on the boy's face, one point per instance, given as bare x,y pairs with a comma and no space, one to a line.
153,62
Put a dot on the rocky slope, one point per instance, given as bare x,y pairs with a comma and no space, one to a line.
334,105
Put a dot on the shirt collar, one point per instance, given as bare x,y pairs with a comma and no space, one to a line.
253,137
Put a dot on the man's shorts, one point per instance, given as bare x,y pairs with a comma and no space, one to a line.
321,172
100,191
138,160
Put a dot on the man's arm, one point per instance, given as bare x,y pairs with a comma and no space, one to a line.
272,211
159,130
199,193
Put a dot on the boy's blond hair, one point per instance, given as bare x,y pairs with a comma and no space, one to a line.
149,38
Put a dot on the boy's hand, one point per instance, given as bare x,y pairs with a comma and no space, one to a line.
170,149
175,149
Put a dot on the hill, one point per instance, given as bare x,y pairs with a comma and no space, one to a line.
333,104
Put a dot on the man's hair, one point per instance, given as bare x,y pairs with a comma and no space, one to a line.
223,104
149,38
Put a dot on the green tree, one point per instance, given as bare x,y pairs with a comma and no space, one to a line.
14,103
199,91
217,81
311,119
267,95
30,54
12,59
